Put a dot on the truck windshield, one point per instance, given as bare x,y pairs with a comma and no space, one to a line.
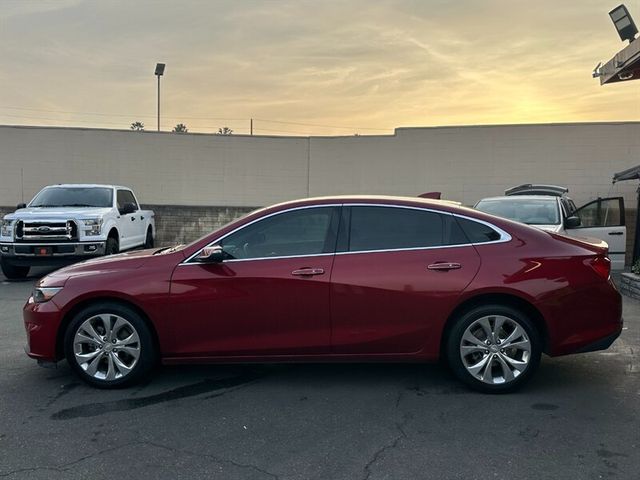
538,211
73,197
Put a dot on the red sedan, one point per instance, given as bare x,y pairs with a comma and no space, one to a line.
335,279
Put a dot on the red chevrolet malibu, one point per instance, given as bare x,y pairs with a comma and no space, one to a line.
335,279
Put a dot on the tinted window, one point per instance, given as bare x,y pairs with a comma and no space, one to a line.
125,196
477,232
73,197
299,232
385,228
532,211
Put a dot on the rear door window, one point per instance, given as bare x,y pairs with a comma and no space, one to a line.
392,228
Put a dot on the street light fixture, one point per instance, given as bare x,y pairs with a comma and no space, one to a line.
158,73
624,23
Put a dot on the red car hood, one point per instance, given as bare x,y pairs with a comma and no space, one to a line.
121,261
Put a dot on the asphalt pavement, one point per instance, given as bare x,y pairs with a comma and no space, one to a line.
579,418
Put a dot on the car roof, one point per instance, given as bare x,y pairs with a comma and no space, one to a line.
512,198
87,185
427,202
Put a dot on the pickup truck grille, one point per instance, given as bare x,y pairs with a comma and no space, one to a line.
46,231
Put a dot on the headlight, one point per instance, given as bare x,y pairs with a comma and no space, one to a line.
6,228
92,226
44,294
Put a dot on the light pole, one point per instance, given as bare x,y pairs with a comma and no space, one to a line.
158,73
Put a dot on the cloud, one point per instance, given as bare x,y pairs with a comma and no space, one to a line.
374,64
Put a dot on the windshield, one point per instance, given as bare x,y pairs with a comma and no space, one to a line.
73,197
532,211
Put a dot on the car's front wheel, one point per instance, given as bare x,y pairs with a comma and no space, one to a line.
109,345
494,348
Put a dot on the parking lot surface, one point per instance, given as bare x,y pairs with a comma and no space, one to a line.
579,418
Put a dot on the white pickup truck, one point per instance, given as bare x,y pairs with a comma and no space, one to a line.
67,223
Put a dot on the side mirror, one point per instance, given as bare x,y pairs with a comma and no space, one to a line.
21,205
572,222
213,254
127,208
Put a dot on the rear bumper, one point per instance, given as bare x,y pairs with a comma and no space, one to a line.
601,344
584,320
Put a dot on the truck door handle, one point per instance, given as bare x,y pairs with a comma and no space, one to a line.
615,233
304,272
133,219
444,266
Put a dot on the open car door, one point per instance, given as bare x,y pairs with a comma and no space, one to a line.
604,219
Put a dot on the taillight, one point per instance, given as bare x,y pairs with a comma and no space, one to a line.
600,265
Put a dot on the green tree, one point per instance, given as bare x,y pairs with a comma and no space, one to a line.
224,131
180,128
137,126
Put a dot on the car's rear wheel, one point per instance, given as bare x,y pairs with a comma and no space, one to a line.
109,345
13,272
494,348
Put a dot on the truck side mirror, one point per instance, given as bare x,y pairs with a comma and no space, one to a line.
21,205
127,208
572,222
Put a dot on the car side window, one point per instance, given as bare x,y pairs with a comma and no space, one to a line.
307,231
390,228
125,196
603,212
477,232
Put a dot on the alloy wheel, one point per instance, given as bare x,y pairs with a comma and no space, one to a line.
495,349
106,347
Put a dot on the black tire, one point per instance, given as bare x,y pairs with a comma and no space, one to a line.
148,243
497,374
112,247
133,323
13,272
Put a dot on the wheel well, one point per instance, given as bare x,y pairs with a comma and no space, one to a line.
502,299
113,233
80,306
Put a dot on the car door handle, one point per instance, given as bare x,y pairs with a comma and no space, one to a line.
303,272
444,266
615,233
133,219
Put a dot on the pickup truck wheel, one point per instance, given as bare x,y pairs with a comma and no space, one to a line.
148,243
112,246
109,345
13,272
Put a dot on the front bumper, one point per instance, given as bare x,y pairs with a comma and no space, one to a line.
41,322
49,254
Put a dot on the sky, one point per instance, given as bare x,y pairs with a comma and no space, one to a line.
320,67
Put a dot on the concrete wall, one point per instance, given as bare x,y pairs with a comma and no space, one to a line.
465,163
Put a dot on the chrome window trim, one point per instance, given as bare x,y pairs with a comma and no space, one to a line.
504,236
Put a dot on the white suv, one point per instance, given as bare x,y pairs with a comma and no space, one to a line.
549,208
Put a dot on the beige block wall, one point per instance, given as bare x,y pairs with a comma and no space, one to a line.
469,163
465,163
162,168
